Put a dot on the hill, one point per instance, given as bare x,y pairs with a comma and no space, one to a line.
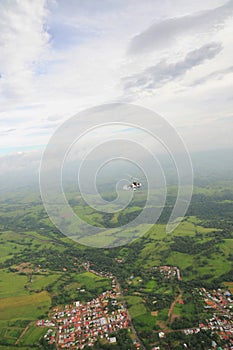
41,268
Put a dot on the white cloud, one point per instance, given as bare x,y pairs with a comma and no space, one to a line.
58,57
23,41
166,32
21,161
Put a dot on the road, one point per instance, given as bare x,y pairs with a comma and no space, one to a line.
87,267
128,315
173,305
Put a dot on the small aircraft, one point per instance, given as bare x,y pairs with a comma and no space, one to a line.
135,185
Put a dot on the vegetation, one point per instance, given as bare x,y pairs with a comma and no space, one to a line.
40,268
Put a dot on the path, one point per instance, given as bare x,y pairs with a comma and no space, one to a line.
173,305
23,332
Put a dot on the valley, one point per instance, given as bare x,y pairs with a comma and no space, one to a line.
162,276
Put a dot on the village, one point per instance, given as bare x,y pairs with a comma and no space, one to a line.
78,325
169,271
221,302
81,324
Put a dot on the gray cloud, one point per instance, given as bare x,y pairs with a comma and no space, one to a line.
219,74
6,132
162,34
163,72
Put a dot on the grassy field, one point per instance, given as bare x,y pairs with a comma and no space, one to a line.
32,335
25,343
39,282
10,334
185,310
79,286
12,284
113,237
8,249
16,312
88,215
158,241
145,321
162,315
180,259
150,286
25,306
136,306
27,235
90,281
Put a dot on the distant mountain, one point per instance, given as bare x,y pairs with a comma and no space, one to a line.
22,169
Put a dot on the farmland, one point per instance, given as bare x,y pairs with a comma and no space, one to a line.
41,269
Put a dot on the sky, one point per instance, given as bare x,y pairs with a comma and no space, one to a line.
59,57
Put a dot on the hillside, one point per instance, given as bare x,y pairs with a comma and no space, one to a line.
41,268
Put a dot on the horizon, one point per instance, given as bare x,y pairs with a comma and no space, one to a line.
116,217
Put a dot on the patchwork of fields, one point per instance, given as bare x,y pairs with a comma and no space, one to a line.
40,268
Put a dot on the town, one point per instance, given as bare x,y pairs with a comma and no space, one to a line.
221,302
81,324
78,324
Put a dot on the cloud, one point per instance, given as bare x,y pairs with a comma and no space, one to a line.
23,41
7,131
20,161
58,58
218,74
164,33
163,72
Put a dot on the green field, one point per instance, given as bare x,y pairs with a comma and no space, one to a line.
12,284
136,306
10,334
25,306
15,314
201,246
39,282
91,282
32,335
145,321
